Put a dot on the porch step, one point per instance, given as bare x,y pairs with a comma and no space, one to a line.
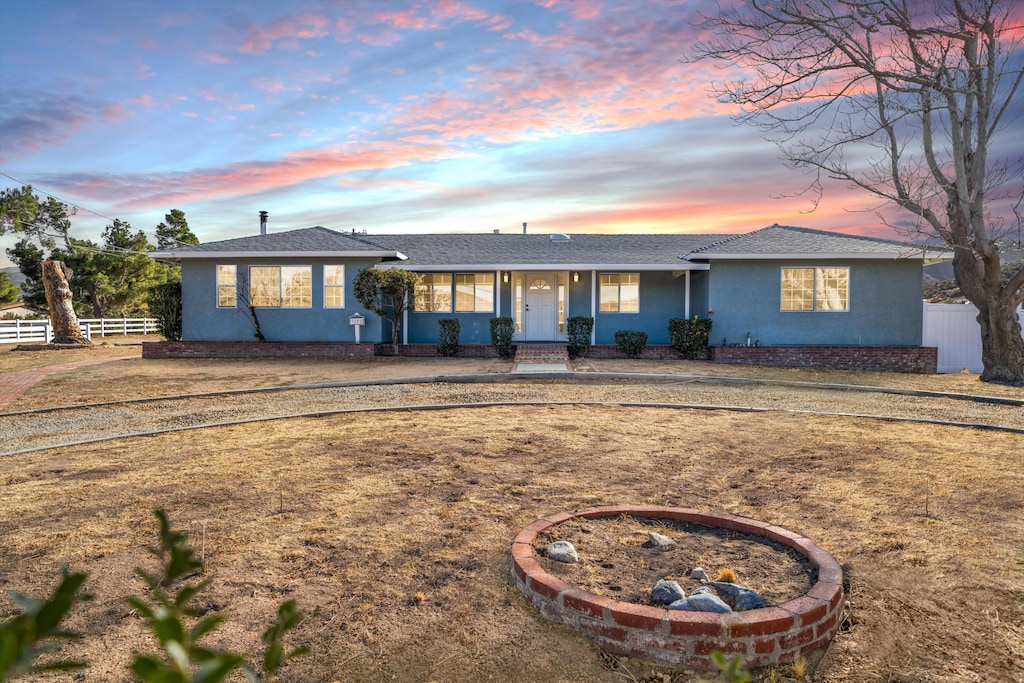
542,353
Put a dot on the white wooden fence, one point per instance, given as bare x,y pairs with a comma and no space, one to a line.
14,331
954,329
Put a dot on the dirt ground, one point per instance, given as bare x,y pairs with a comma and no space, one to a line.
392,529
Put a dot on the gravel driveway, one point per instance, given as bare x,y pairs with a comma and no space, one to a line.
68,425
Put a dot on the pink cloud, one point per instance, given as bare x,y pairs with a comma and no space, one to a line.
217,58
285,32
159,190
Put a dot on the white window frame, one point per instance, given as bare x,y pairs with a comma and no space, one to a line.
338,287
618,285
819,289
476,282
438,297
282,285
225,288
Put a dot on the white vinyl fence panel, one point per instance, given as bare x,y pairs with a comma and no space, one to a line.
15,331
954,329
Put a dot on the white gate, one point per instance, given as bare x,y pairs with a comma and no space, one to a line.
954,329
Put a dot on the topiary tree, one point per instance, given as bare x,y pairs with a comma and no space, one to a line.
388,293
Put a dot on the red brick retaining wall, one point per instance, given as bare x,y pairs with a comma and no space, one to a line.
865,358
919,359
168,349
430,350
771,635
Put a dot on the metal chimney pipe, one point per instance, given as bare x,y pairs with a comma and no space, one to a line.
524,227
263,222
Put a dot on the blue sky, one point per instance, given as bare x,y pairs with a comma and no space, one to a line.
386,116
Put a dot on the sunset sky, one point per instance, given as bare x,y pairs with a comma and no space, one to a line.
475,115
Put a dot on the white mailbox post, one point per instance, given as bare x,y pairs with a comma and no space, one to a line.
357,321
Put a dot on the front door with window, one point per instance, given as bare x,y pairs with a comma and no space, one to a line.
540,307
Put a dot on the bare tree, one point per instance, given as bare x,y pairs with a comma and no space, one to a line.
905,99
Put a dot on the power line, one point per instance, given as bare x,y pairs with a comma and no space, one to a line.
53,196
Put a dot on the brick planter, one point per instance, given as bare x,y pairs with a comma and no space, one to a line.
168,349
771,635
918,359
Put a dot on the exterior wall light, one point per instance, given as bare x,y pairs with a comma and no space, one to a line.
576,276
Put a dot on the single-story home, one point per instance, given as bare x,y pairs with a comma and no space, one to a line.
774,287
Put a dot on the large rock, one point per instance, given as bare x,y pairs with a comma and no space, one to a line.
701,602
739,597
656,540
666,592
562,551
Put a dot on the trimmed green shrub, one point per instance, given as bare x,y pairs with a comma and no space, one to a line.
502,330
631,342
579,329
689,337
448,336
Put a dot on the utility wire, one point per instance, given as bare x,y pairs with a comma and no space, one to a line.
53,196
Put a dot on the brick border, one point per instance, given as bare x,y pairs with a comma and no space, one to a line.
762,637
916,359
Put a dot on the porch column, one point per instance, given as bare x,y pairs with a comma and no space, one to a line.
686,305
593,305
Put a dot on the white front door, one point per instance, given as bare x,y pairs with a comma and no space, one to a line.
540,314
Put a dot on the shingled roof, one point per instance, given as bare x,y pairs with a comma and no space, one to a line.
780,241
574,251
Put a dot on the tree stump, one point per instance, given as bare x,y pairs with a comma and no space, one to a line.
66,329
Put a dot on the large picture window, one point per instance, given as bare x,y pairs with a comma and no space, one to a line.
433,293
226,286
334,286
815,289
620,292
281,286
474,292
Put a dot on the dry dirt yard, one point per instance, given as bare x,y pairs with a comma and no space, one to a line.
392,529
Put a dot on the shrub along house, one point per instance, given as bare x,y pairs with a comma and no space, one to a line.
774,295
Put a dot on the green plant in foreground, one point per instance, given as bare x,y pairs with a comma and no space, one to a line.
731,670
167,613
32,632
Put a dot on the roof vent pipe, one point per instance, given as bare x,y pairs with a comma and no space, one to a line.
524,227
263,222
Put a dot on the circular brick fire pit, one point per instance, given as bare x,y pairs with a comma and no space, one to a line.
771,635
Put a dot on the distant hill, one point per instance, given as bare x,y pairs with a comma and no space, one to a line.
15,274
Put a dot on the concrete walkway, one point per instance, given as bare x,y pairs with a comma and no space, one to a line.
14,384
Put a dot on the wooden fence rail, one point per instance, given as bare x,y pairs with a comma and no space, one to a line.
15,331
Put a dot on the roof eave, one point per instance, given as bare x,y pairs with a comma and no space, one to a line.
876,256
184,256
449,267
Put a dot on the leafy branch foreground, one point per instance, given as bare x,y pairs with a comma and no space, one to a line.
167,612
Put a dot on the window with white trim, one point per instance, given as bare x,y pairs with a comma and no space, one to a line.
433,292
474,292
619,292
334,286
281,286
815,289
227,279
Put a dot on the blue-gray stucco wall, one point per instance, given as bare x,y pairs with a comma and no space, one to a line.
885,305
662,297
203,321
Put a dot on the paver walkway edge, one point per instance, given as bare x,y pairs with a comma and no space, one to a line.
14,384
